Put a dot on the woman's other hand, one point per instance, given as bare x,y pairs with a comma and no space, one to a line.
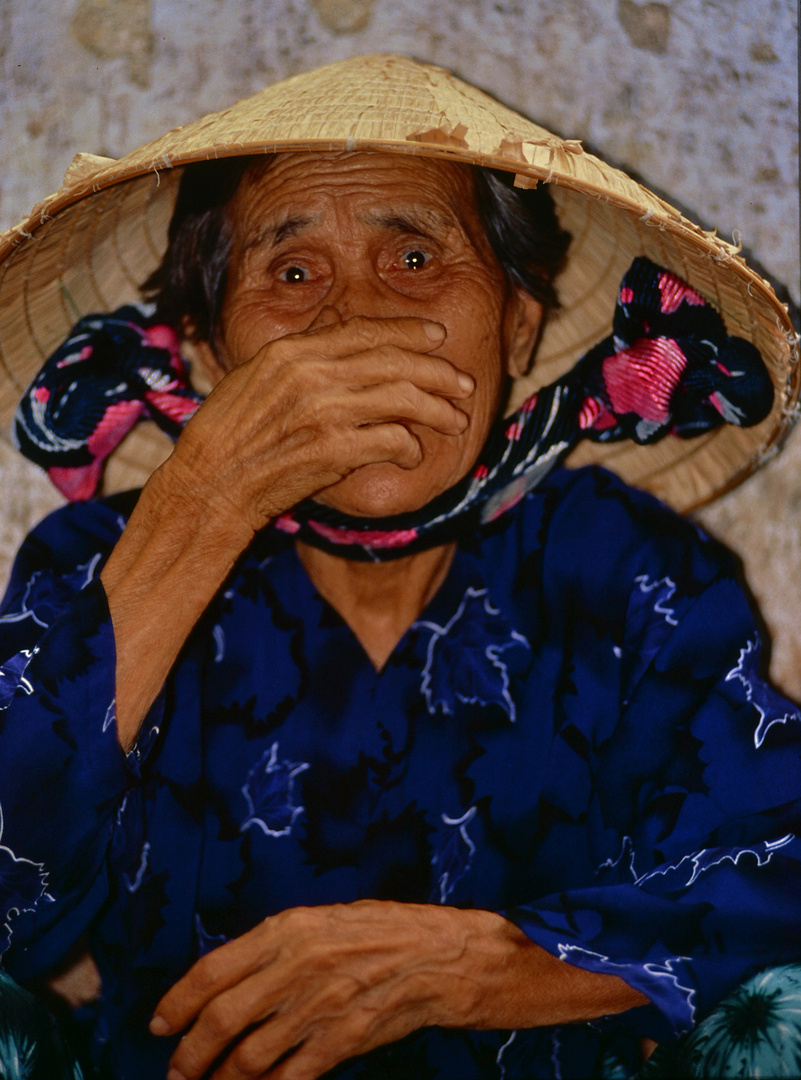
310,987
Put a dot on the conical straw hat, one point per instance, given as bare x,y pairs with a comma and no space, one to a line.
89,246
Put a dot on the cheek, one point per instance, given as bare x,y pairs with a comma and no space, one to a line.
475,343
248,325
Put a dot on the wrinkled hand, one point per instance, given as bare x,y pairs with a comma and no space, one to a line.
331,981
311,407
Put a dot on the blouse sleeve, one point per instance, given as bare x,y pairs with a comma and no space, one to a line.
62,772
696,812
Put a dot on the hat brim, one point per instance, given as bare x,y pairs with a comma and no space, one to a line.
90,245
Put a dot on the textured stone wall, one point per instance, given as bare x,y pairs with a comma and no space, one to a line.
697,97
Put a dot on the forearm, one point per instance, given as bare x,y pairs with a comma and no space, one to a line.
172,558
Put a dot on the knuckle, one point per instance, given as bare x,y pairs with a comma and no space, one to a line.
357,1026
219,1019
345,449
210,968
297,917
278,351
248,1059
399,438
368,331
407,394
200,983
399,362
308,1065
299,926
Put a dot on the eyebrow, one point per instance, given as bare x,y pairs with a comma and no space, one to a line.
417,220
414,220
274,233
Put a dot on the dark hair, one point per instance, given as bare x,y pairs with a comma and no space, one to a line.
524,233
189,286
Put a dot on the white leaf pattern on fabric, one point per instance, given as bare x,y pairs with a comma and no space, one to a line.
269,793
454,853
692,866
17,1053
626,848
12,676
111,715
23,611
23,884
770,705
219,640
556,1046
663,592
207,942
75,581
132,884
463,662
668,970
499,1061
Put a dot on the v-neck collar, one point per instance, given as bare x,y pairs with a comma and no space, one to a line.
301,599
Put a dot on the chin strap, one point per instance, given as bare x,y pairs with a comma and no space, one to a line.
668,367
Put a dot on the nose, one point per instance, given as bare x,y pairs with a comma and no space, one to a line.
326,316
357,289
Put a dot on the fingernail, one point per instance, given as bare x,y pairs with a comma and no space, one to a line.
159,1026
434,331
465,381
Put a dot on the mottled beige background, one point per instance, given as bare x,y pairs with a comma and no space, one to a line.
697,97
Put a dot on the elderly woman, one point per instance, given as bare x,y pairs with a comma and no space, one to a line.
359,733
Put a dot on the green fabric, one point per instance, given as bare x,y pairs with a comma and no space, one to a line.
31,1045
755,1033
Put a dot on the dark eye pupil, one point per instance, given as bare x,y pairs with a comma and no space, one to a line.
295,273
415,260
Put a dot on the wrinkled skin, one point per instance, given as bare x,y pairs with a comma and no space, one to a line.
367,332
334,981
322,240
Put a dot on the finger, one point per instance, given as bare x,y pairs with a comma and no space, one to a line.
323,1045
311,429
220,1025
255,396
210,976
322,1016
398,402
281,1007
391,363
361,333
323,462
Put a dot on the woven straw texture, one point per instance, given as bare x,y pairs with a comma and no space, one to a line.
89,246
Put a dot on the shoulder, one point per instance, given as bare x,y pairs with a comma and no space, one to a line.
588,536
76,533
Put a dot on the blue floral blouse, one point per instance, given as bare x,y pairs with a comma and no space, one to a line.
574,733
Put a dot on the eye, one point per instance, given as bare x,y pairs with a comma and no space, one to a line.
414,259
294,275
